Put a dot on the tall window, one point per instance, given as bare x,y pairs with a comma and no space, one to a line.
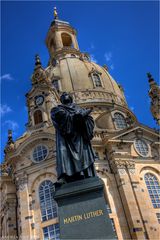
51,232
120,121
97,80
66,40
153,189
38,117
47,203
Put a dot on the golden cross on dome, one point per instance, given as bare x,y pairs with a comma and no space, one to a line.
55,13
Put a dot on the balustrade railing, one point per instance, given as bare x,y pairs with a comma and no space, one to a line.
97,96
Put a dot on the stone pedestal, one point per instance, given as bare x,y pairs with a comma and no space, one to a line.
82,211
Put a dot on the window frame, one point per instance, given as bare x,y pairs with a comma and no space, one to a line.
158,217
95,72
36,110
33,160
152,191
94,81
48,199
64,35
137,151
55,232
114,119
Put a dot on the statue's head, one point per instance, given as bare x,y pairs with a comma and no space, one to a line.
65,98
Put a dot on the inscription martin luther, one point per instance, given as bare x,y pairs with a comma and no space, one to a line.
83,216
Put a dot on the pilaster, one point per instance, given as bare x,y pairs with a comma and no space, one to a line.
24,211
144,205
122,170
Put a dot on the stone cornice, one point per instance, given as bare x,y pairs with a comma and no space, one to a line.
35,167
65,50
62,26
127,157
135,128
33,138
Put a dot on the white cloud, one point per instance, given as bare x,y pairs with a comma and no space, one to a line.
132,108
4,109
11,124
93,59
6,76
108,56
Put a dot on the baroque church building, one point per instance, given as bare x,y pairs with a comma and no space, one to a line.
126,151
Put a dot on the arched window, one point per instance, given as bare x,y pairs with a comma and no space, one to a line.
97,80
47,204
153,189
120,121
66,40
38,117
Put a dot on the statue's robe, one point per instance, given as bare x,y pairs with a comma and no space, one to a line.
74,131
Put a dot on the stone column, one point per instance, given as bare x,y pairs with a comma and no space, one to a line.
74,41
58,40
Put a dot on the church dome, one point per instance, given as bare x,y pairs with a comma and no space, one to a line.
85,79
72,71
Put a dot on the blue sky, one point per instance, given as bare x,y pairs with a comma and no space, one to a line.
121,34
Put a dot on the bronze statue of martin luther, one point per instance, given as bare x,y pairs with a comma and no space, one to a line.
74,131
